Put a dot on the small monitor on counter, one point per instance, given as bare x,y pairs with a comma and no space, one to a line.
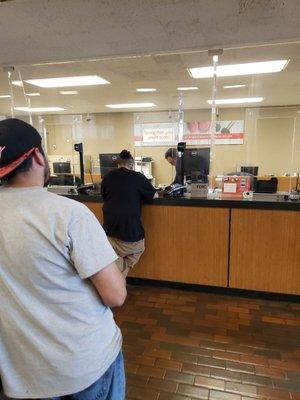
62,167
108,162
250,170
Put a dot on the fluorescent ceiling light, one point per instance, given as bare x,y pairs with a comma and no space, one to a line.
32,94
146,90
17,83
188,88
131,105
5,96
262,67
233,86
68,92
68,81
238,101
39,109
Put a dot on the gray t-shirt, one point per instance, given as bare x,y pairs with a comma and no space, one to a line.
56,336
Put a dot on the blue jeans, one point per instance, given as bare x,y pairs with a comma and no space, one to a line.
111,385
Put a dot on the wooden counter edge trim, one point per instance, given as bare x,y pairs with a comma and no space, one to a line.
239,204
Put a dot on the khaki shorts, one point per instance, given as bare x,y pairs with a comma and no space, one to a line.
129,253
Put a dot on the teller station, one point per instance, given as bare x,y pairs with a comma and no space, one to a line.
242,234
226,166
238,230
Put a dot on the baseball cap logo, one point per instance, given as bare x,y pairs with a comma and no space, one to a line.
1,149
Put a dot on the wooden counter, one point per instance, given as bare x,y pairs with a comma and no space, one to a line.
253,249
265,250
185,244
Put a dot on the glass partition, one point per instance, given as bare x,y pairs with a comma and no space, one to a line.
147,104
274,144
257,129
154,134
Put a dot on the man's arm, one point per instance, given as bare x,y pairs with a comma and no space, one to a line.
110,285
177,178
147,191
94,258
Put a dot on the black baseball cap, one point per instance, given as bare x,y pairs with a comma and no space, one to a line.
17,141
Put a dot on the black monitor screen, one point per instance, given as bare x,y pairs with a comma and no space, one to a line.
62,167
250,170
196,160
64,180
108,162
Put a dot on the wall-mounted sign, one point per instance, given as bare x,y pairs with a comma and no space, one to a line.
227,132
195,133
160,134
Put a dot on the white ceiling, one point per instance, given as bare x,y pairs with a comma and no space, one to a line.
41,30
163,72
174,33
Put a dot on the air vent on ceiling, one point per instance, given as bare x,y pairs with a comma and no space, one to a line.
260,6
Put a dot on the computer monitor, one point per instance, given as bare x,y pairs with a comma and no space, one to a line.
62,167
196,163
250,170
64,180
108,162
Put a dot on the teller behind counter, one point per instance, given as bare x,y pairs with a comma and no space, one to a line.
191,165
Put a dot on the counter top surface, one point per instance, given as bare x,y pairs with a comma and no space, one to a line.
264,203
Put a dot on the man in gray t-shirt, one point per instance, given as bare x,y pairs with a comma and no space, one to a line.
58,280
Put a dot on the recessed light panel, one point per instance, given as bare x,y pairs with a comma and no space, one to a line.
233,86
68,92
68,81
40,109
263,67
188,88
145,90
131,105
238,101
17,83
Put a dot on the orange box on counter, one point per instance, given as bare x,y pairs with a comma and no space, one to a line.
235,185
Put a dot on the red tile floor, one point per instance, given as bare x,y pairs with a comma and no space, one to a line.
184,345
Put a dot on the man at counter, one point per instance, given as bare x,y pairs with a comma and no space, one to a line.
171,155
58,280
123,191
